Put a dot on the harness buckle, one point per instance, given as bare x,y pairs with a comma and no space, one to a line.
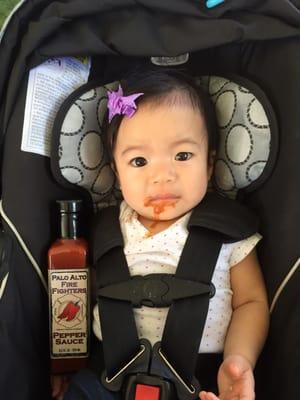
148,387
150,376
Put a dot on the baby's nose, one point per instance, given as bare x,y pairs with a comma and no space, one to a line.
164,173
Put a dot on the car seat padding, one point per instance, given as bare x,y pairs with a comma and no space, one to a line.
245,154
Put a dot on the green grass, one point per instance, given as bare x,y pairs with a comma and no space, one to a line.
5,8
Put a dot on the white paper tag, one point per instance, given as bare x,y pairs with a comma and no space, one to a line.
49,85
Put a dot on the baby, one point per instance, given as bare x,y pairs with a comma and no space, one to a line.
162,138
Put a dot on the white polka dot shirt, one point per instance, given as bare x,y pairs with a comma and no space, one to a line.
160,253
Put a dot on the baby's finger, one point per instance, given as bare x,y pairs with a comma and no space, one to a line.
210,396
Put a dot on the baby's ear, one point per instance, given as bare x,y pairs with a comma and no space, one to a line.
210,163
113,167
115,171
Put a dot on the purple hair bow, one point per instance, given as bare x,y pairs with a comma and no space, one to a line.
122,105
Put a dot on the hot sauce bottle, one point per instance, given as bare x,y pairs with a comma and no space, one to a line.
68,280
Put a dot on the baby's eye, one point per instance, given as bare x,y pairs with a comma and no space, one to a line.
138,162
183,156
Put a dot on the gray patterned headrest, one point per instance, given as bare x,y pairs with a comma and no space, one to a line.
248,134
77,154
244,158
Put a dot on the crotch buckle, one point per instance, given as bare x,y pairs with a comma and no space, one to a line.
148,387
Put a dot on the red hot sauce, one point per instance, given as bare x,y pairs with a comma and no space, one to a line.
158,208
68,280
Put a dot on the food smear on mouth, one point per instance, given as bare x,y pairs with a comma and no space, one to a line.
159,206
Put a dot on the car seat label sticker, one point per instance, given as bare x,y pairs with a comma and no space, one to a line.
163,61
68,299
49,85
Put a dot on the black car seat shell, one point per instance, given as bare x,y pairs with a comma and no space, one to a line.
256,40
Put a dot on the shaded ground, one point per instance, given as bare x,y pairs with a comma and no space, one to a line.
5,8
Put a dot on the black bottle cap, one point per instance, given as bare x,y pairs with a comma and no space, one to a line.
69,214
69,206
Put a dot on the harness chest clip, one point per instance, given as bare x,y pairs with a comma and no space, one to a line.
155,290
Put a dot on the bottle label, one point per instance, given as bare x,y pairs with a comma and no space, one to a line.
69,305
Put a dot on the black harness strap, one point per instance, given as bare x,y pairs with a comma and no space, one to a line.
120,340
119,334
186,317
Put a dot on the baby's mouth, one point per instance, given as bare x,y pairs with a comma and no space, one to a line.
162,198
160,203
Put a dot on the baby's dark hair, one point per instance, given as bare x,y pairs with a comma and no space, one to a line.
166,86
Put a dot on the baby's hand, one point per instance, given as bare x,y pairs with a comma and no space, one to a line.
59,384
235,381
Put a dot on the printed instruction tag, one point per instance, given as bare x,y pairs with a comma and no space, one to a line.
49,85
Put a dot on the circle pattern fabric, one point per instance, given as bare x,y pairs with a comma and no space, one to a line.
245,135
82,159
243,152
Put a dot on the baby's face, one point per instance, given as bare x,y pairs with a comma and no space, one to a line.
161,157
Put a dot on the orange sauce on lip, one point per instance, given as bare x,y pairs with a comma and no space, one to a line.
159,206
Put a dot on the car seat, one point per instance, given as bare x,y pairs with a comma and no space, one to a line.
256,41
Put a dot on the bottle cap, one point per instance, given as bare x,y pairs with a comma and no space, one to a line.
69,206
